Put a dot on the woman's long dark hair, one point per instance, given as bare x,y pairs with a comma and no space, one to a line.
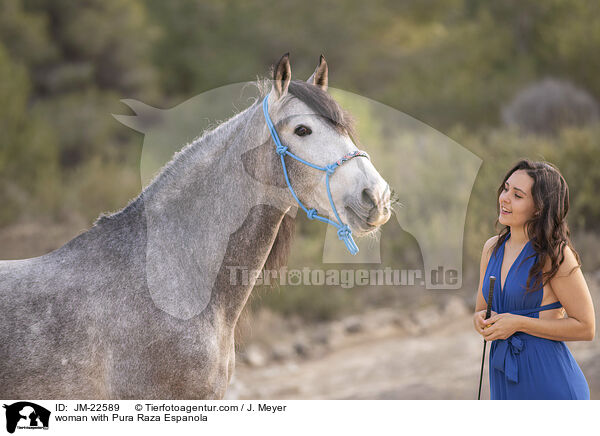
548,228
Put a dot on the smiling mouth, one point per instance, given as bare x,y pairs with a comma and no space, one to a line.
358,222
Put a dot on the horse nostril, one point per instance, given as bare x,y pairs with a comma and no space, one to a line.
368,198
378,203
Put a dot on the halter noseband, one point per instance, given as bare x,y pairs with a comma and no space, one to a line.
344,232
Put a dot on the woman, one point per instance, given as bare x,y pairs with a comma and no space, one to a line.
538,278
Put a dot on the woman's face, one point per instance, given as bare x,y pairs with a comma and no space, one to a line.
516,198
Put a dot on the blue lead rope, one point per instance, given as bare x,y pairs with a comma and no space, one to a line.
343,232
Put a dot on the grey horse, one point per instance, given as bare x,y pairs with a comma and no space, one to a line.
116,313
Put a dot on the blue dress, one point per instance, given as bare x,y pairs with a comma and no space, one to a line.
525,366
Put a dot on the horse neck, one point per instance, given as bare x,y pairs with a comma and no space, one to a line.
247,252
206,187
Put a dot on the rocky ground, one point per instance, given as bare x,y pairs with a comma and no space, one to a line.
382,354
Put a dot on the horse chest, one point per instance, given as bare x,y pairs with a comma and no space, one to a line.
183,362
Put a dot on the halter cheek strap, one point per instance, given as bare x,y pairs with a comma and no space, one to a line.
344,232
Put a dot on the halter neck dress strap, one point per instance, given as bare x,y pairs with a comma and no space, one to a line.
526,312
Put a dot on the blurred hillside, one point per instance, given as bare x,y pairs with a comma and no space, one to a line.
471,69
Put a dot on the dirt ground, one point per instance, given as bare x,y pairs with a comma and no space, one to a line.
381,354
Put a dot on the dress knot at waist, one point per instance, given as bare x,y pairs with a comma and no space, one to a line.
506,350
505,356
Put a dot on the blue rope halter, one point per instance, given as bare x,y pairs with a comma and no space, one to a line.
344,232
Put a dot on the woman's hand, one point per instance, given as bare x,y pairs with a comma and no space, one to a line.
502,326
480,322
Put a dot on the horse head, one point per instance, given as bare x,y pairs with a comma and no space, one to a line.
312,126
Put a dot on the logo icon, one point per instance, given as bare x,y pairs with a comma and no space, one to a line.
26,415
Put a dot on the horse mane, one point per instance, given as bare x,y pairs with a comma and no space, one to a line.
318,100
314,97
280,251
323,104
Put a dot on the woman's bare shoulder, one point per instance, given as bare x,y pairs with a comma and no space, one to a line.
490,243
492,240
568,265
487,247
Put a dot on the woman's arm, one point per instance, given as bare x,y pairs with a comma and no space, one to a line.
480,306
573,293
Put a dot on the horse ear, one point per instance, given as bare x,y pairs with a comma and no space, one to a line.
320,77
282,75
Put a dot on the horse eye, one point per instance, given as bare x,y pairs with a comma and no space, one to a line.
302,130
